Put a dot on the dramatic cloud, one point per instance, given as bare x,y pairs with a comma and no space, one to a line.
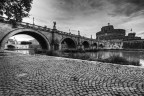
74,8
128,7
83,5
88,7
88,16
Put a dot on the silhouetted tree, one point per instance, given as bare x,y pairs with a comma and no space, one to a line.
101,45
25,43
11,47
15,9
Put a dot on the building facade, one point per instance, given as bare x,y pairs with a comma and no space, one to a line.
110,38
109,33
14,44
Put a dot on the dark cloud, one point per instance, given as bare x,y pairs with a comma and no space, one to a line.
122,7
127,7
73,9
80,5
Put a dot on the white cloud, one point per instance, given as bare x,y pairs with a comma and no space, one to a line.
22,37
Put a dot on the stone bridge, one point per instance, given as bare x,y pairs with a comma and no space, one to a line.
49,39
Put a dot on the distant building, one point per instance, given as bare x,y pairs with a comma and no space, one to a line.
10,44
133,44
15,44
22,46
11,41
131,36
109,33
110,38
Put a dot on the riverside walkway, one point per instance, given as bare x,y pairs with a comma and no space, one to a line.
26,75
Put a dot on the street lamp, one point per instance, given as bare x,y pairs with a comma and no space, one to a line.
33,20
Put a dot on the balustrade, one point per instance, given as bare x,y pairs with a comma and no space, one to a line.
36,27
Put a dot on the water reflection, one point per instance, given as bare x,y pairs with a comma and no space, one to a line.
29,52
129,55
104,54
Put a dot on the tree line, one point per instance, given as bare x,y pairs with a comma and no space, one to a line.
134,45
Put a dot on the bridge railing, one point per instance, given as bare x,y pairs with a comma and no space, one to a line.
65,33
37,27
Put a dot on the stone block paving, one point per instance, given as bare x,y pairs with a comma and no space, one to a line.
24,75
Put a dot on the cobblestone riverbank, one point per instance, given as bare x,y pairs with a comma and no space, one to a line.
25,75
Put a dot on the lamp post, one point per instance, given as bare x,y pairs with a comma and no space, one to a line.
91,43
79,44
33,20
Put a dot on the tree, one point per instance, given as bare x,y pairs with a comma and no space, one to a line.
25,43
11,47
15,9
101,45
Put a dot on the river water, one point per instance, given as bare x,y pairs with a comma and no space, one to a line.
129,55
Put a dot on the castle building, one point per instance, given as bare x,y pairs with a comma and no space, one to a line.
109,33
110,38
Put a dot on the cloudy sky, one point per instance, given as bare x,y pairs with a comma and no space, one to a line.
89,16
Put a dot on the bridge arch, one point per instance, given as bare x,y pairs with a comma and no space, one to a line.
41,38
68,43
86,44
94,45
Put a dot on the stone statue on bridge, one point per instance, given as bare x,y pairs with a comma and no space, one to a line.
78,32
54,27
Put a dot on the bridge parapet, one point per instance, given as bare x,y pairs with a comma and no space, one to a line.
25,24
66,33
41,28
36,27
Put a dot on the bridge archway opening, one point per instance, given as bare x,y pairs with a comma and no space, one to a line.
42,40
68,43
85,44
22,41
101,45
94,45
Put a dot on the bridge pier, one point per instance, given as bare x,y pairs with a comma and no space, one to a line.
59,47
53,36
1,47
79,46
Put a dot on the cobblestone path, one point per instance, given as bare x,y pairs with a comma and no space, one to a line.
24,75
